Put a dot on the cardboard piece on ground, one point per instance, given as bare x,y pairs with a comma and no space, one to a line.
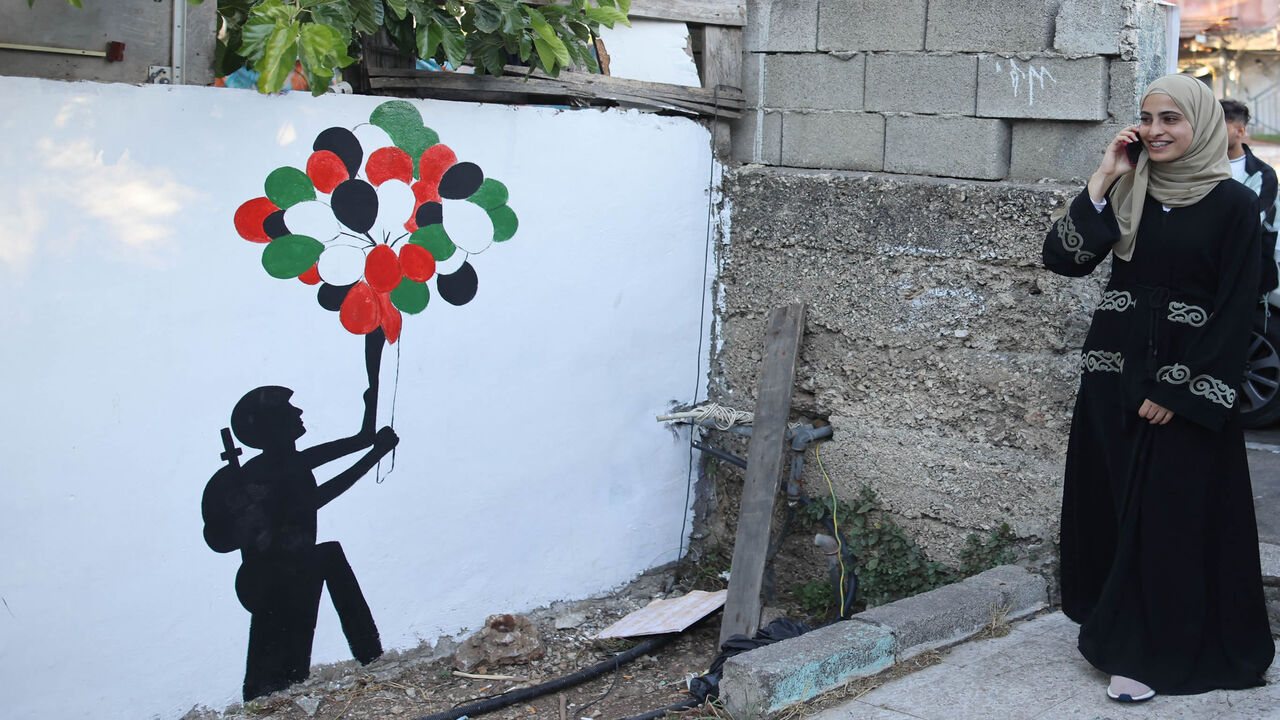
667,616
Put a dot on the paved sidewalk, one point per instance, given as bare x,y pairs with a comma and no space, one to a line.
1036,672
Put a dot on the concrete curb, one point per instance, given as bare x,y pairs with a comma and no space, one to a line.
1270,556
759,683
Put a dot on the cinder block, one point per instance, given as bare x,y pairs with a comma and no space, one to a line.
862,25
990,25
1089,27
836,140
781,26
954,612
922,83
1059,151
1126,89
813,81
767,679
1049,88
757,138
960,147
752,71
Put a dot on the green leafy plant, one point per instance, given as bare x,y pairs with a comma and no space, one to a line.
999,547
270,36
815,597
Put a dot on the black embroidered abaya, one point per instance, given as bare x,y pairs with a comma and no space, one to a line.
1159,543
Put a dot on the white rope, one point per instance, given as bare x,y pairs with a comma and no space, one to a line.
723,417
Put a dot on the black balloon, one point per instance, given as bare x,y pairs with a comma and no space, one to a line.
461,180
355,204
343,143
458,287
273,225
429,213
330,297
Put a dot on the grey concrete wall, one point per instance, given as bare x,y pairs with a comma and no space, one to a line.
144,26
1055,70
944,356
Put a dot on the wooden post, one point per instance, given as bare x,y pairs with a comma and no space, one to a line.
764,468
722,66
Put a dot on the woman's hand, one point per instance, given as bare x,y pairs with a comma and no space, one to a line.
1115,163
1156,414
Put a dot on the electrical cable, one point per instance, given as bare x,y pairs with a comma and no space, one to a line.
507,699
835,522
661,712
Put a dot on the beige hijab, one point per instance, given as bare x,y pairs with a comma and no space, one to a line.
1181,182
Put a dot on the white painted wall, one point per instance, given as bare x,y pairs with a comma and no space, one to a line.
530,467
651,50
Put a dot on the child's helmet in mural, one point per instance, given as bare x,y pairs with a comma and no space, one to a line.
381,211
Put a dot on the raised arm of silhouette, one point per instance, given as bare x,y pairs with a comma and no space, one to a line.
267,510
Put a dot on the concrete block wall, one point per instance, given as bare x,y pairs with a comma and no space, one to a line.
943,87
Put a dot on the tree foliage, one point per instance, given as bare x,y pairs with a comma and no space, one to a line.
324,35
272,36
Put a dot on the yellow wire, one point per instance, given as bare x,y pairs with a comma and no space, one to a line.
835,524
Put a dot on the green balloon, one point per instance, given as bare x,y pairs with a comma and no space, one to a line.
288,186
288,256
504,223
490,194
435,240
411,297
402,121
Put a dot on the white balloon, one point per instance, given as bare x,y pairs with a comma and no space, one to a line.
341,264
395,207
313,219
468,225
446,267
371,138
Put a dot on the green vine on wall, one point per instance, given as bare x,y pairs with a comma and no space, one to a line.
891,565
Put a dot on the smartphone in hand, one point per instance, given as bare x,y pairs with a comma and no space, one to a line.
1133,150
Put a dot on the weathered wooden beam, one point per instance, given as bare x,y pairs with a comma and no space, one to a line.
572,88
705,12
721,70
764,468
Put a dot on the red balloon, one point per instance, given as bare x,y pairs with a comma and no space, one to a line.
359,311
249,217
326,170
417,262
425,192
389,163
435,161
382,269
311,276
391,318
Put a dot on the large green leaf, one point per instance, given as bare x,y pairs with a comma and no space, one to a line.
367,15
321,49
254,35
399,8
607,16
278,58
487,16
455,43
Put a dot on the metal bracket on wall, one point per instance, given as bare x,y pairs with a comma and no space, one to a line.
160,75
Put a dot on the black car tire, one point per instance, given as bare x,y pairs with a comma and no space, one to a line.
1260,389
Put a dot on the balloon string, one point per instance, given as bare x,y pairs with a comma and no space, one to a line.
395,392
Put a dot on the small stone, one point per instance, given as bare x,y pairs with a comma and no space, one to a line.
570,620
309,704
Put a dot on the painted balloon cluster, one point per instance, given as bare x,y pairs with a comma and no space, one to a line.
375,228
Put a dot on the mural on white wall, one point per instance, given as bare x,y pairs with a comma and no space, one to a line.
380,211
138,254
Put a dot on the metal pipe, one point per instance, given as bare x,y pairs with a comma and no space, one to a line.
178,54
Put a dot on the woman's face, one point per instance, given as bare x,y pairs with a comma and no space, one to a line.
1164,130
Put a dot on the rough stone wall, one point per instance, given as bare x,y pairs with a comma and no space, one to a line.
944,356
986,89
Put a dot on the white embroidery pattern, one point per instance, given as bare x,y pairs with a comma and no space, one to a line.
1072,241
1102,361
1213,390
1118,300
1174,374
1192,315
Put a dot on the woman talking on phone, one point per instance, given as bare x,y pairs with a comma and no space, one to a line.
1159,547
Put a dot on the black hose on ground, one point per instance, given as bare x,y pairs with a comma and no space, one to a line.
654,714
508,699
